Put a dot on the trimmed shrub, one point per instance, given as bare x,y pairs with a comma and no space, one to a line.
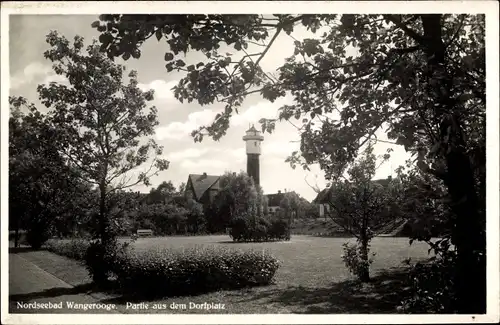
98,263
279,230
239,230
259,233
192,271
243,229
100,259
74,248
168,272
263,222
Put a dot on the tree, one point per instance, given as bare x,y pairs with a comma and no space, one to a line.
423,203
310,210
265,203
290,205
420,77
100,121
359,205
196,218
182,188
44,193
237,197
164,191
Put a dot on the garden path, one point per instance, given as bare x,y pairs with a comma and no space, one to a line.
28,283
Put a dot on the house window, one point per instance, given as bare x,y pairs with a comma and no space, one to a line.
255,143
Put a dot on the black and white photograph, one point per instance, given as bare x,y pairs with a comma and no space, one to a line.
250,162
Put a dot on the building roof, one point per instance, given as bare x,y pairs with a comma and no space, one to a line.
322,196
252,129
203,182
274,200
383,181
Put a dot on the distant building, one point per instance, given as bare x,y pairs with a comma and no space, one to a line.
273,202
322,200
202,188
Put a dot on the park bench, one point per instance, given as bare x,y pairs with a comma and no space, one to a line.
144,232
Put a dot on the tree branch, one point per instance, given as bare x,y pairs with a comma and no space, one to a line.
460,25
278,30
410,32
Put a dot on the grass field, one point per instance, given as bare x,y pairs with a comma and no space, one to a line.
311,279
306,260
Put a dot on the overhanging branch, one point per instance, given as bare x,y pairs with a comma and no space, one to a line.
410,32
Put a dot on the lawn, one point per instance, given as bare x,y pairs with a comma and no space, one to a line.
306,260
311,279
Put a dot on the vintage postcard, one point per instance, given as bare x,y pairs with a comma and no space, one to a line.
250,162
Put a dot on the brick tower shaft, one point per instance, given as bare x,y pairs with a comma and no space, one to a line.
253,139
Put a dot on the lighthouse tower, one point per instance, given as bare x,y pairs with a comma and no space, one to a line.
253,138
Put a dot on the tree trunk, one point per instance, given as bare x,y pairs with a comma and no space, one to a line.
16,234
468,234
16,238
104,234
364,275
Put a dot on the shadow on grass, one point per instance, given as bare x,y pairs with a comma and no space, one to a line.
111,290
125,296
383,294
54,292
333,235
252,242
22,249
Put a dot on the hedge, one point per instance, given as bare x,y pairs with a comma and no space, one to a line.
243,230
191,271
73,248
171,272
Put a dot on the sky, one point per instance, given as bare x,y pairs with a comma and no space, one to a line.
28,68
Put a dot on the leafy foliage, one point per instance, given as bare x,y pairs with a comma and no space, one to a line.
161,193
354,259
246,229
75,248
192,271
360,206
237,197
432,286
424,202
421,77
98,120
100,259
45,194
196,220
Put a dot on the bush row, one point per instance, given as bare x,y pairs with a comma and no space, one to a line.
169,272
245,229
191,271
73,248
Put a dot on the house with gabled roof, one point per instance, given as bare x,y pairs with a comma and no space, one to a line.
202,188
